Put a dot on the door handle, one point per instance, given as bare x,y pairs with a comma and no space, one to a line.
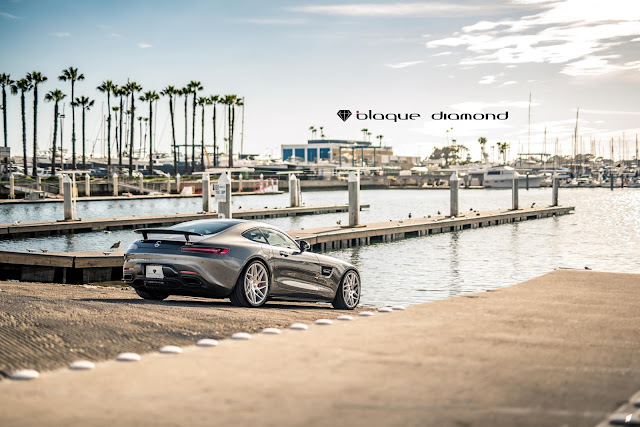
284,254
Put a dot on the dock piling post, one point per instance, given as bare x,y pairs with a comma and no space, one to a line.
206,193
168,184
527,179
60,187
68,195
115,184
140,184
514,188
38,183
612,178
223,196
555,187
261,182
354,198
294,191
12,187
240,178
87,185
454,184
178,183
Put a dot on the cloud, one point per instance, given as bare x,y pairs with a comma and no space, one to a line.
611,112
61,34
402,9
476,107
510,82
104,27
487,80
144,45
116,35
403,64
8,15
443,53
273,21
567,32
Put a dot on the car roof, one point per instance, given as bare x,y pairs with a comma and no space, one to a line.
232,223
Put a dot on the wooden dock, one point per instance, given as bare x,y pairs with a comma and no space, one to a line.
86,267
52,228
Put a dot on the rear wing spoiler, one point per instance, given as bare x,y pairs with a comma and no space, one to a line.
146,231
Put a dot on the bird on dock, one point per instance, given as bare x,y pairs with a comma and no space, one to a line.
106,231
410,215
438,212
30,250
533,204
16,222
44,250
471,209
116,245
339,222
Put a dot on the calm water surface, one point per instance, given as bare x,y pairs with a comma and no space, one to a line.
603,234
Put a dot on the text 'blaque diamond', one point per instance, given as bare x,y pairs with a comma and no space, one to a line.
344,114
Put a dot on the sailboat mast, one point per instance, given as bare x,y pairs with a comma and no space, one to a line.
529,128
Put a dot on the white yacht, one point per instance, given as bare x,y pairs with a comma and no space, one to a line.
502,177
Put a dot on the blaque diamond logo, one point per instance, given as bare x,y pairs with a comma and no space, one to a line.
344,114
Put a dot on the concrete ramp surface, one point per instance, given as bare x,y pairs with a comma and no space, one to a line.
561,349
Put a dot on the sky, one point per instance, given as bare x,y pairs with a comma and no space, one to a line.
296,63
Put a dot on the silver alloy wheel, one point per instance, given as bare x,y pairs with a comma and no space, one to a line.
351,289
256,283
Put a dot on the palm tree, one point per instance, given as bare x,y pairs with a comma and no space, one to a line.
86,105
132,88
185,91
483,143
379,137
35,78
121,92
502,148
194,87
5,80
171,92
108,87
150,96
55,96
215,99
369,135
313,131
364,133
24,86
322,132
231,101
203,101
71,74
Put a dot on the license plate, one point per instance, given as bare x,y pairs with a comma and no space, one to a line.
154,272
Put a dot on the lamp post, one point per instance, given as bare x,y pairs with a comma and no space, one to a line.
61,117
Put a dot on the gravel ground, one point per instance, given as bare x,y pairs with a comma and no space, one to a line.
46,326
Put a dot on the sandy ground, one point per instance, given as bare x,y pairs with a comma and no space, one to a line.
47,326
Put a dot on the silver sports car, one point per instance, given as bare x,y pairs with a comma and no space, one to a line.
246,261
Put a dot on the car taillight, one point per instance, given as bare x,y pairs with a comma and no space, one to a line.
204,250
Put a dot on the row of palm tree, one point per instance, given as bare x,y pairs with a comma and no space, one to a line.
122,92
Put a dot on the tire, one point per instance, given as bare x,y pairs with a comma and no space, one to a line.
252,288
151,295
348,293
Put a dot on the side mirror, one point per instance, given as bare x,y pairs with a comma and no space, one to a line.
304,246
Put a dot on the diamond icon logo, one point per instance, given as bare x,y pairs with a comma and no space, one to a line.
344,114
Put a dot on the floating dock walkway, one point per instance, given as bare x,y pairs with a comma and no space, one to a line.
86,267
52,228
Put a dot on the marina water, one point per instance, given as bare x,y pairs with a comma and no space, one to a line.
603,234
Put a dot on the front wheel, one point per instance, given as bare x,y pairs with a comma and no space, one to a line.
348,294
252,287
151,295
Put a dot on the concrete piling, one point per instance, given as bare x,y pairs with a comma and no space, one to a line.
240,178
354,199
294,191
554,192
87,185
140,184
454,184
168,184
514,188
12,187
223,196
115,184
38,183
612,179
206,193
178,183
60,186
68,198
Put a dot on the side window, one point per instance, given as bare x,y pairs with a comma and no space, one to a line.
275,238
255,235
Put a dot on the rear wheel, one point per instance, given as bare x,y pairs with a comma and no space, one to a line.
252,287
151,295
348,294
